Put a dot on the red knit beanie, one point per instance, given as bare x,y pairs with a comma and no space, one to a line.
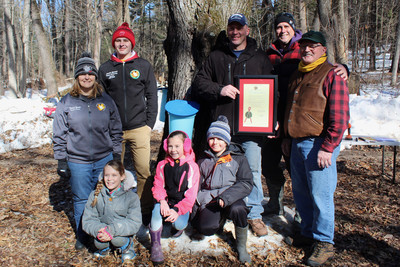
124,31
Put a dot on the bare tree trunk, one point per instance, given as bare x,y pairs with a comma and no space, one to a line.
324,9
49,69
12,49
303,16
316,22
67,38
342,29
26,42
98,32
123,12
396,57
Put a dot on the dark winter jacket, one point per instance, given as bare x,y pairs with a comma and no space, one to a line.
285,63
220,70
133,87
227,177
86,129
119,212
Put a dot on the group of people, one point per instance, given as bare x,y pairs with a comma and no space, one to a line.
91,128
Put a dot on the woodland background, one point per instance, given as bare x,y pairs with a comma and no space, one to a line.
44,38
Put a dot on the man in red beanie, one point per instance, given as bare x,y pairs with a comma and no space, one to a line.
130,81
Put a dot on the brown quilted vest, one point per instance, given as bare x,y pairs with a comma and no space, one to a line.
304,115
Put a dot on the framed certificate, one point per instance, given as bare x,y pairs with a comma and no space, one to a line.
256,106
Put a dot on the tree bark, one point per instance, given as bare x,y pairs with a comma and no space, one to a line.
49,69
98,33
26,48
178,47
324,10
396,57
67,37
303,16
12,49
342,30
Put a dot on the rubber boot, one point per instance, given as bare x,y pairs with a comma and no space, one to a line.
275,205
241,242
157,256
127,251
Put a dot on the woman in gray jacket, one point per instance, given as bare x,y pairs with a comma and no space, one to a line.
87,133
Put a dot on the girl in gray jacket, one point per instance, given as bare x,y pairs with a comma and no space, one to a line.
112,214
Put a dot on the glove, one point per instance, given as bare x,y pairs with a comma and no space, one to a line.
116,157
63,169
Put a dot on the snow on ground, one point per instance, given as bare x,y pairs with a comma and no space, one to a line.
375,112
23,124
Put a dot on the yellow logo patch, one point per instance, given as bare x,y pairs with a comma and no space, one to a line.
135,74
101,106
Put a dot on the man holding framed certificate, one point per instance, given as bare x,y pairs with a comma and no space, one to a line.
214,88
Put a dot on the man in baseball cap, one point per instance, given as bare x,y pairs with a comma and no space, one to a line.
215,90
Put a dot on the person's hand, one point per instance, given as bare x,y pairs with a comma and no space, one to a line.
221,203
164,208
230,91
63,169
276,130
103,236
173,215
286,146
340,70
324,159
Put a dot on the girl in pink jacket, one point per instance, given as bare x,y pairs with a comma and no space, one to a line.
175,190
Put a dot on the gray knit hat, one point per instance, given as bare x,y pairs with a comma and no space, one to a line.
86,65
220,129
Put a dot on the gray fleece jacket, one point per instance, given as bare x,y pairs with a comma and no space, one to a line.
120,212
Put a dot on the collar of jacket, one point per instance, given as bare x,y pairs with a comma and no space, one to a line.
114,58
250,49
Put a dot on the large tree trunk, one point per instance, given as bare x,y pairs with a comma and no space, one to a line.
324,9
49,69
67,37
123,12
396,57
342,29
12,49
178,47
98,32
26,48
303,15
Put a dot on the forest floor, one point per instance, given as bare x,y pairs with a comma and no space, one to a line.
36,215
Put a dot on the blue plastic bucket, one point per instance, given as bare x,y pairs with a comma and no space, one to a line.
164,93
181,114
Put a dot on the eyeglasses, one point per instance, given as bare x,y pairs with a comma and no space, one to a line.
311,46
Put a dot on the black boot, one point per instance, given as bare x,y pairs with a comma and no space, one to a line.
274,205
241,242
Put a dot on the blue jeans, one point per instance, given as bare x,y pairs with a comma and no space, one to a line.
157,219
313,189
253,155
83,181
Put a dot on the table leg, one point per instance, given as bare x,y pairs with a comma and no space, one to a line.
394,164
383,160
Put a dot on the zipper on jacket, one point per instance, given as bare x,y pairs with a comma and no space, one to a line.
90,131
244,68
124,86
229,74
